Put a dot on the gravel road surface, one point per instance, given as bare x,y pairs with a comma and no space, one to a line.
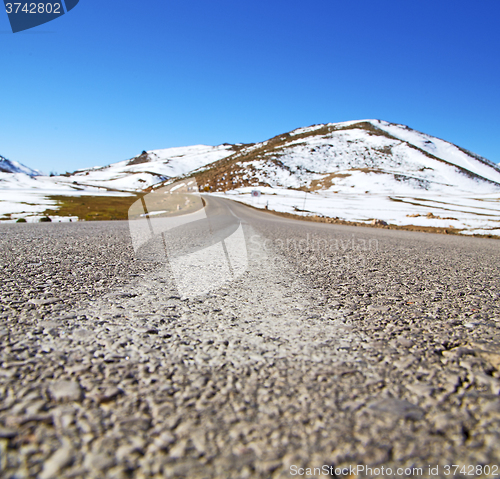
338,346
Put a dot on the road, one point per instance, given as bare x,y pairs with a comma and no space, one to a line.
326,345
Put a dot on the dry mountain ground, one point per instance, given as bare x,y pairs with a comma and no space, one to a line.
338,346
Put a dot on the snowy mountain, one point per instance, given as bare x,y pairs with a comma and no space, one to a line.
148,168
357,171
368,155
364,171
27,196
9,166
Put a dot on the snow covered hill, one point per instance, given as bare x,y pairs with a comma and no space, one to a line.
357,171
149,168
9,166
24,195
363,171
368,155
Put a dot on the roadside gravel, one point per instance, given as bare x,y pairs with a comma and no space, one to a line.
329,350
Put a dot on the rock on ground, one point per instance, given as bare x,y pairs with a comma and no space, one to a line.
337,346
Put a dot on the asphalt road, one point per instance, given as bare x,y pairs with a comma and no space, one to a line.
292,345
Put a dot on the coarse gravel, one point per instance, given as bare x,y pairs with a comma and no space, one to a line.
338,346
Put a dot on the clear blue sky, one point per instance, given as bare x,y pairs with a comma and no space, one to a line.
111,79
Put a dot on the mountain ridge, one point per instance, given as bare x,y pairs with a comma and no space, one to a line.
11,166
272,150
358,171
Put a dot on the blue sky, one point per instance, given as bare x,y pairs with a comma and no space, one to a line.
111,79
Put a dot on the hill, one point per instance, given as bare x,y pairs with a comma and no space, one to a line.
9,166
368,171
